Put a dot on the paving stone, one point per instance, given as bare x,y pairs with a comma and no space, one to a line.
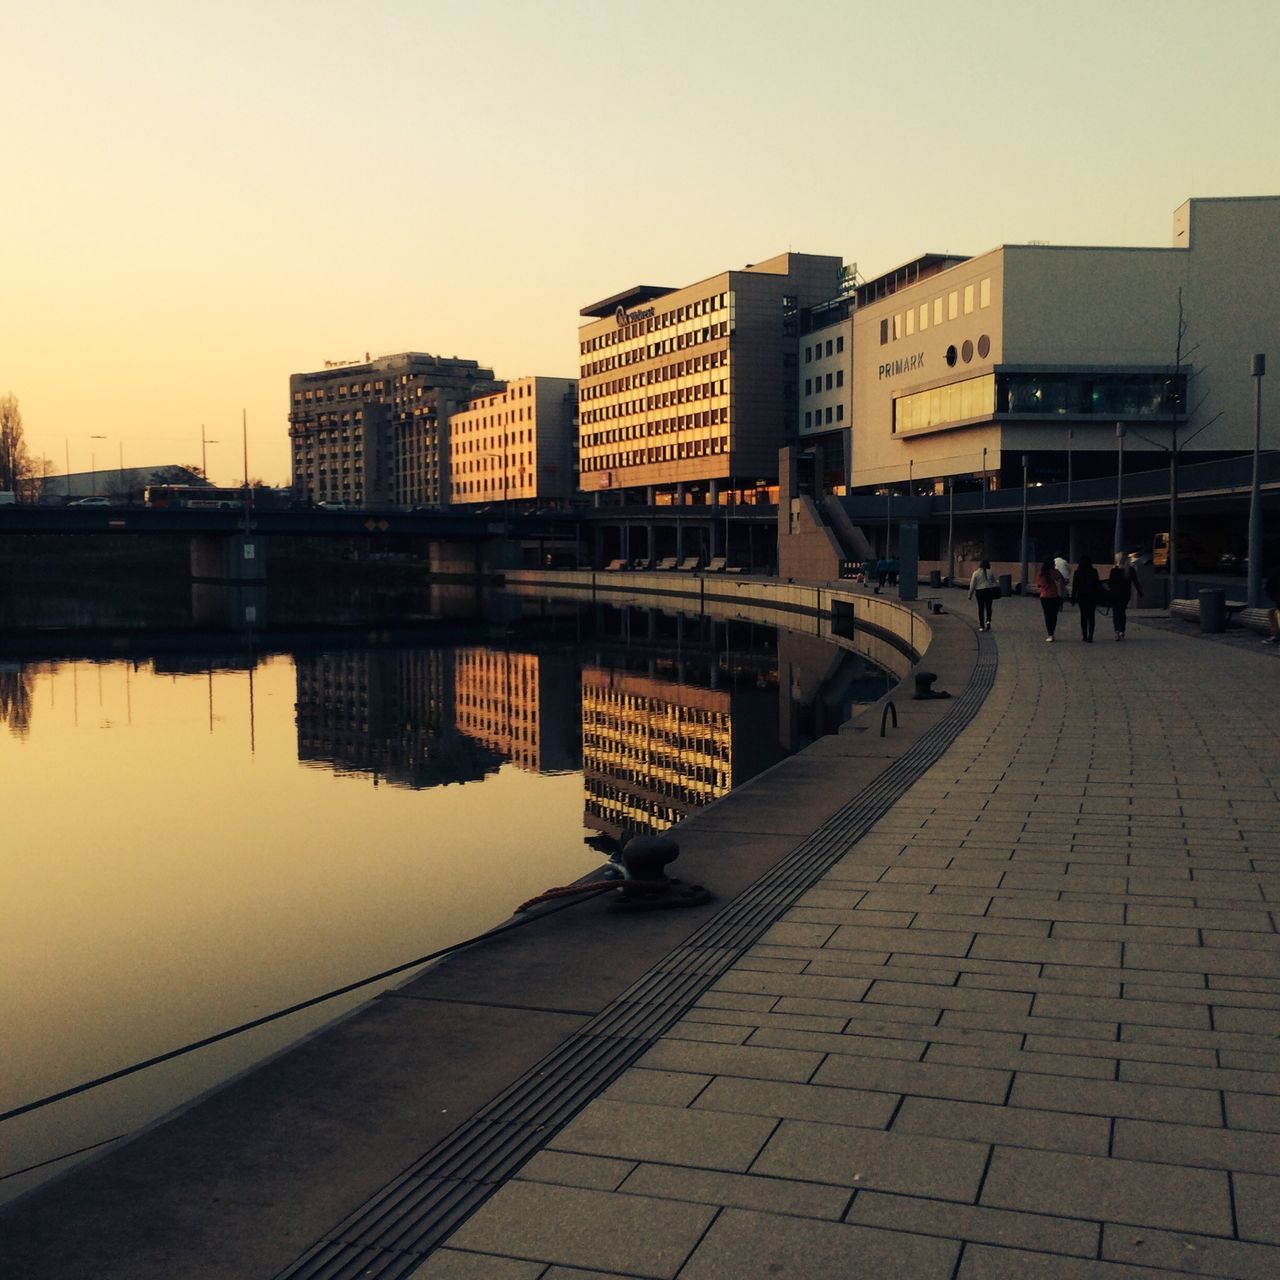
1151,1012
973,1084
756,1246
850,1011
1057,1064
1005,1125
453,1264
1195,1145
719,1033
1152,955
971,1222
644,1236
1118,1049
988,1262
1201,1077
855,1158
831,1104
919,941
868,1046
1257,1196
1116,1098
1078,982
571,1170
1239,918
816,914
1261,1022
1173,936
665,1088
1041,1025
793,984
798,935
981,924
1109,1190
884,991
1190,1255
789,1021
676,1135
739,1191
1047,950
731,1060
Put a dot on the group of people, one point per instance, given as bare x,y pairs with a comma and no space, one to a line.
1056,584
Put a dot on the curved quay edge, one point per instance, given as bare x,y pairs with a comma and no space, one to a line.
390,1235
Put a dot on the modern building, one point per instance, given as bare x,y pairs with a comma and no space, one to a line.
824,383
687,394
963,368
374,432
515,445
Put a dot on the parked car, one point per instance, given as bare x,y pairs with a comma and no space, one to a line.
89,502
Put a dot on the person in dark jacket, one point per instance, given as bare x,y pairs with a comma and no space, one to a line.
1086,588
1122,587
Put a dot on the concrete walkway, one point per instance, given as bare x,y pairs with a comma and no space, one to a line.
1027,1027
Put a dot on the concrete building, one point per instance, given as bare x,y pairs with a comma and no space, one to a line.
1039,351
515,445
687,394
824,384
374,432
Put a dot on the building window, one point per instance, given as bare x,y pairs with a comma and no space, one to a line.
968,299
911,321
884,331
808,355
924,316
839,377
937,311
829,344
839,413
953,304
984,292
840,344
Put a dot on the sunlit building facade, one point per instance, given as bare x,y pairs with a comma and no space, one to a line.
374,432
515,445
694,389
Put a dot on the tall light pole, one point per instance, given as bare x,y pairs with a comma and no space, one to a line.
888,527
951,528
66,444
205,442
1024,522
1257,369
984,477
1117,549
93,468
1071,436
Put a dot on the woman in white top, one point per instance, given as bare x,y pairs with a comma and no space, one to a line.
983,584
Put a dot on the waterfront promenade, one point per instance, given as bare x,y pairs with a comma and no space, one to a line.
1027,1026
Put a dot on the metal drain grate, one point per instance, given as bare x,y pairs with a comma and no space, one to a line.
388,1237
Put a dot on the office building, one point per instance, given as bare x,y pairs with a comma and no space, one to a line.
687,394
374,432
515,446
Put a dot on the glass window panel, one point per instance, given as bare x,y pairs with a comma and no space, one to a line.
968,299
924,316
984,292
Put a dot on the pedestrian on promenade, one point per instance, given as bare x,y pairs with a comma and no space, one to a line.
1086,587
984,586
1050,585
882,571
1272,588
1123,587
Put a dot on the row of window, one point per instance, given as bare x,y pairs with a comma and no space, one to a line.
664,373
662,400
905,323
659,427
814,385
815,352
652,350
650,324
817,416
703,448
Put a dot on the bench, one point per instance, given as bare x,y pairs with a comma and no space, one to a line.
1236,611
715,564
666,566
614,565
688,564
642,565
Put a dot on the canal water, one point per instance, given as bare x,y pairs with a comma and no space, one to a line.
203,826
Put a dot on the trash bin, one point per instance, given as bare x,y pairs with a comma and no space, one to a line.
1213,609
935,577
1006,584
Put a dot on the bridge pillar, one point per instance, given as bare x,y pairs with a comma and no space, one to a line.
237,557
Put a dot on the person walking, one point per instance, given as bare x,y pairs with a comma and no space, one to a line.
1050,584
1272,588
1122,587
1086,587
983,584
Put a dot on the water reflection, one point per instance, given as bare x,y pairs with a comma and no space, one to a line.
221,823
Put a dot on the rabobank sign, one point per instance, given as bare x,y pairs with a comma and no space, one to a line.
906,364
623,316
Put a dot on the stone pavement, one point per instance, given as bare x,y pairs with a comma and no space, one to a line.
1028,1026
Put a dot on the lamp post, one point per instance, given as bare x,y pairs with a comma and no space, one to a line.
66,444
205,442
1257,369
1024,522
888,527
1071,436
984,477
951,528
93,469
1117,549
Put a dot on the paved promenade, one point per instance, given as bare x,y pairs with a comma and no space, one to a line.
1028,1026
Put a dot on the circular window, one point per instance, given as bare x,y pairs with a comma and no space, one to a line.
966,352
984,346
951,357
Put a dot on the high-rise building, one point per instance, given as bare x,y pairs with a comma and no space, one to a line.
374,432
693,390
515,445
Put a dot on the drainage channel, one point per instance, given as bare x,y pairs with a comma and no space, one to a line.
391,1235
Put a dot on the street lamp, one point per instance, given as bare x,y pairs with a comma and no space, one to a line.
205,442
1024,522
93,469
1257,369
951,527
984,477
1118,548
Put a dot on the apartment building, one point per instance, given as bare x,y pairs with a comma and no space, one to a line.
691,391
515,445
374,432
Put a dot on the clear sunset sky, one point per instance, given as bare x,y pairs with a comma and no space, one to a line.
202,198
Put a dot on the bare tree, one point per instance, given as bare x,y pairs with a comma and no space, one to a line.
14,464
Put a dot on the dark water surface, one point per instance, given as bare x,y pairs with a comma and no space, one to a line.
205,823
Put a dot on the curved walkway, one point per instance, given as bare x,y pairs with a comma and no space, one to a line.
1026,1027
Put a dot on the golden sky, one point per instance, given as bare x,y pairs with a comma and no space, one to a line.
203,198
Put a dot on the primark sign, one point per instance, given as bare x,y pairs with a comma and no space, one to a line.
906,364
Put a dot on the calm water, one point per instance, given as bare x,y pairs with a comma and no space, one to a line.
212,827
